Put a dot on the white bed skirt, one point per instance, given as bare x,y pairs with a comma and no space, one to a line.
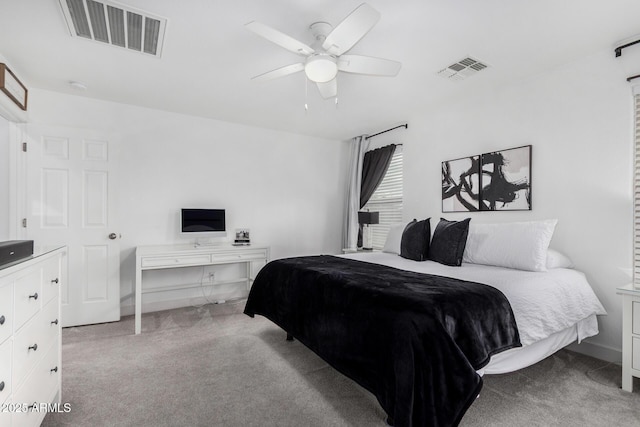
521,357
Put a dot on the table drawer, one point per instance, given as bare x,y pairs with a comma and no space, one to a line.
240,256
5,370
27,291
177,261
6,312
635,353
635,315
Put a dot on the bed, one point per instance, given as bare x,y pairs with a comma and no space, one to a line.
420,335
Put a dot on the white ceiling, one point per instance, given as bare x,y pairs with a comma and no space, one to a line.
209,57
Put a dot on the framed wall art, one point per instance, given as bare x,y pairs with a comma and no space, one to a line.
506,180
495,181
461,184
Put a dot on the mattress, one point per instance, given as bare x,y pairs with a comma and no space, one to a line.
552,308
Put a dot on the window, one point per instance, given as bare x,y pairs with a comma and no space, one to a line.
387,199
636,193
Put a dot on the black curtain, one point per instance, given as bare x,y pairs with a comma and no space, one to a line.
374,167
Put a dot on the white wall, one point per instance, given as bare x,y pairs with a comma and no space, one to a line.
286,188
578,119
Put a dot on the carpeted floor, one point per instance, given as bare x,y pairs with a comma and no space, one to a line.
213,366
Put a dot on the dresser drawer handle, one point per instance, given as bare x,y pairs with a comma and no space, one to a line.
2,319
34,296
55,280
55,322
2,386
33,347
54,369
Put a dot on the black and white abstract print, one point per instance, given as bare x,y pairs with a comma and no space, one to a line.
461,184
500,180
506,180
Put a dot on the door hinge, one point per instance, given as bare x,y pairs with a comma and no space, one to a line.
24,147
24,222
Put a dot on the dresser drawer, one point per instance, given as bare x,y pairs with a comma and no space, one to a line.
51,280
246,255
635,314
6,312
635,353
5,417
27,293
40,388
175,261
5,370
33,340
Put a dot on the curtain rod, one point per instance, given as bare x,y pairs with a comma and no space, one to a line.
406,126
633,77
618,50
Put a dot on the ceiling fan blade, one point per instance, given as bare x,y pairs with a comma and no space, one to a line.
279,38
279,72
359,64
349,32
328,89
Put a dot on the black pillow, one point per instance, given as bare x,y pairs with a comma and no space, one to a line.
415,240
448,242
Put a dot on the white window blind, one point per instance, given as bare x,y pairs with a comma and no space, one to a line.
387,199
636,197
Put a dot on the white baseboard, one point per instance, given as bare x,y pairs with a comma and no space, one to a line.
599,351
129,310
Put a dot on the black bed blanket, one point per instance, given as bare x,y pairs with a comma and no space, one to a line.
414,340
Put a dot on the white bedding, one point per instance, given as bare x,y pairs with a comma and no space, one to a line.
544,303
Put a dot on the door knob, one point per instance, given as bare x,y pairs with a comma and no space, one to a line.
113,236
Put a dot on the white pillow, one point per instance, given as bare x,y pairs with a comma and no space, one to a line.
519,245
394,238
556,259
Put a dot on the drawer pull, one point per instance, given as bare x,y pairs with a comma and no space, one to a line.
55,322
2,319
33,347
34,296
55,280
54,369
2,386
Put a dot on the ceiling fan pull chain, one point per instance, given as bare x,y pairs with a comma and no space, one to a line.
306,95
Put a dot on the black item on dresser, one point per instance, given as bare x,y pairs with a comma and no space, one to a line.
14,250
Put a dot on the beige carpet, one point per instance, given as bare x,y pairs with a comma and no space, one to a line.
212,366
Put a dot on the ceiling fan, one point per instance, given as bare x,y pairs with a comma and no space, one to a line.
326,55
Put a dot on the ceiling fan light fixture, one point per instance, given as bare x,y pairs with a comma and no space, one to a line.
321,68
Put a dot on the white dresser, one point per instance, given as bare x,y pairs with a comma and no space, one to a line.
30,338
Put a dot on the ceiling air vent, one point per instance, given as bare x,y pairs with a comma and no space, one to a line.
118,25
462,69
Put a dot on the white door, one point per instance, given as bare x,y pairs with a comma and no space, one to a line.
71,201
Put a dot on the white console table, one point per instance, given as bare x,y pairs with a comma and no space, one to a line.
175,256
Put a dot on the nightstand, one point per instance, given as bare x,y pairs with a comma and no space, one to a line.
630,335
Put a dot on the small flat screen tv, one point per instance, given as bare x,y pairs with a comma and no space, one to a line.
203,222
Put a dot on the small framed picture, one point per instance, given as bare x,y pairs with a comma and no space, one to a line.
242,237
